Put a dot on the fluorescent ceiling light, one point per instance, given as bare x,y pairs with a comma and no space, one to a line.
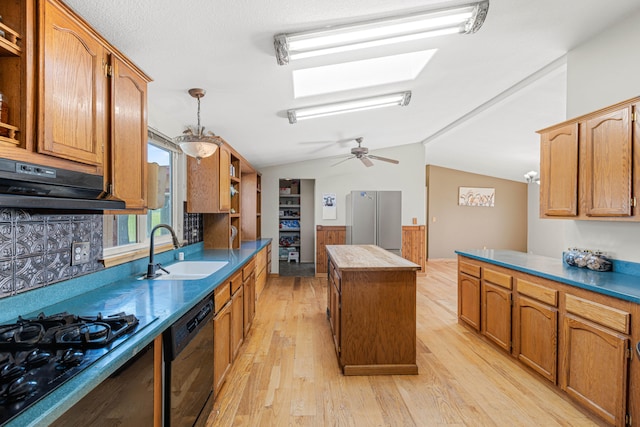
465,19
399,99
360,74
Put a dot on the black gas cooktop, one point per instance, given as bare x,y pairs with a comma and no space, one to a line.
40,353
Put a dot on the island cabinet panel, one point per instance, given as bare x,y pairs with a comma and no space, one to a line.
559,164
372,310
334,307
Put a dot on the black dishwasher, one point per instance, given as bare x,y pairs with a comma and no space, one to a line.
189,367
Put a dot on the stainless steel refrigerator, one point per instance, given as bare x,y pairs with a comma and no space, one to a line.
375,218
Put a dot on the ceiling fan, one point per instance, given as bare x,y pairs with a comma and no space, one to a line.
362,153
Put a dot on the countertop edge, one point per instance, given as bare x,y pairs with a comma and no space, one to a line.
372,251
494,258
52,406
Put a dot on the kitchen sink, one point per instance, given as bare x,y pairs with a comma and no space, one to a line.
190,270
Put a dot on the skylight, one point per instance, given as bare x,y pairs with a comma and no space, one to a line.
360,74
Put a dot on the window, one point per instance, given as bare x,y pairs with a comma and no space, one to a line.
126,233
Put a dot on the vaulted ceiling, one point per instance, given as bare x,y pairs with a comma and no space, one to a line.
476,104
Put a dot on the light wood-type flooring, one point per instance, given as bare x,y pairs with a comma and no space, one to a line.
287,373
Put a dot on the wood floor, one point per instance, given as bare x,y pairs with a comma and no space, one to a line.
287,373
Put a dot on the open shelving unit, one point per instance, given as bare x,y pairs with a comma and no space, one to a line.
12,70
289,218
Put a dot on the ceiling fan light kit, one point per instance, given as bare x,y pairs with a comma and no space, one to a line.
395,99
195,142
461,19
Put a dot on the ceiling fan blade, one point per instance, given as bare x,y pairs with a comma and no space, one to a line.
384,159
343,160
368,163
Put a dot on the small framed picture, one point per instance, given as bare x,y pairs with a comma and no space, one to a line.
476,196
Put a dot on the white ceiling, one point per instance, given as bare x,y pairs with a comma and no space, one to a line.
476,104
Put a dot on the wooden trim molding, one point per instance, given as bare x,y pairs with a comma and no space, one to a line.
327,235
414,245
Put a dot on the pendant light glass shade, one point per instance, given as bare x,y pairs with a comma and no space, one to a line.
195,142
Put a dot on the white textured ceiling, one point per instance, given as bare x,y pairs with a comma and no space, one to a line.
477,103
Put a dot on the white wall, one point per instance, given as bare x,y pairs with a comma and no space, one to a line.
604,70
600,72
544,236
408,176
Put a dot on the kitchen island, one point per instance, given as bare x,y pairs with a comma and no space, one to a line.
371,300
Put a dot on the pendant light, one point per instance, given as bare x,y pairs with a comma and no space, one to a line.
195,142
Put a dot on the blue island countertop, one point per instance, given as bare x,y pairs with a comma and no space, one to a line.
623,285
115,290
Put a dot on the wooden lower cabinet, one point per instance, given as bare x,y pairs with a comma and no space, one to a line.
249,285
261,270
579,340
469,300
496,314
596,368
496,306
537,336
237,322
222,347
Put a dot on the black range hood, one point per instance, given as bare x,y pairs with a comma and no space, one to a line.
29,186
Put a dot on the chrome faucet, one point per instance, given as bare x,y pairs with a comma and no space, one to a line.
152,268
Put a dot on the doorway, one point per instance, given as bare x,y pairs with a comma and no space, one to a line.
296,251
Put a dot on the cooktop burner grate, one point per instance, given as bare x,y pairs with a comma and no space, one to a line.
38,354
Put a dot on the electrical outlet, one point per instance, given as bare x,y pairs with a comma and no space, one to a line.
80,253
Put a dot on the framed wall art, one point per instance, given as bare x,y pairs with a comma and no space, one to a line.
476,196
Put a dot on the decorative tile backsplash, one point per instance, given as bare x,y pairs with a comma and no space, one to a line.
35,248
193,228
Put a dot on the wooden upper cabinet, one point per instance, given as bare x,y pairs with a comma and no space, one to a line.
608,159
559,172
208,183
590,166
73,89
127,176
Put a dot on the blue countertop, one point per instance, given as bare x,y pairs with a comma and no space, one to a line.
625,286
114,290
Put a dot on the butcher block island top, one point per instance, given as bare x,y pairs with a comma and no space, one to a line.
371,306
371,257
